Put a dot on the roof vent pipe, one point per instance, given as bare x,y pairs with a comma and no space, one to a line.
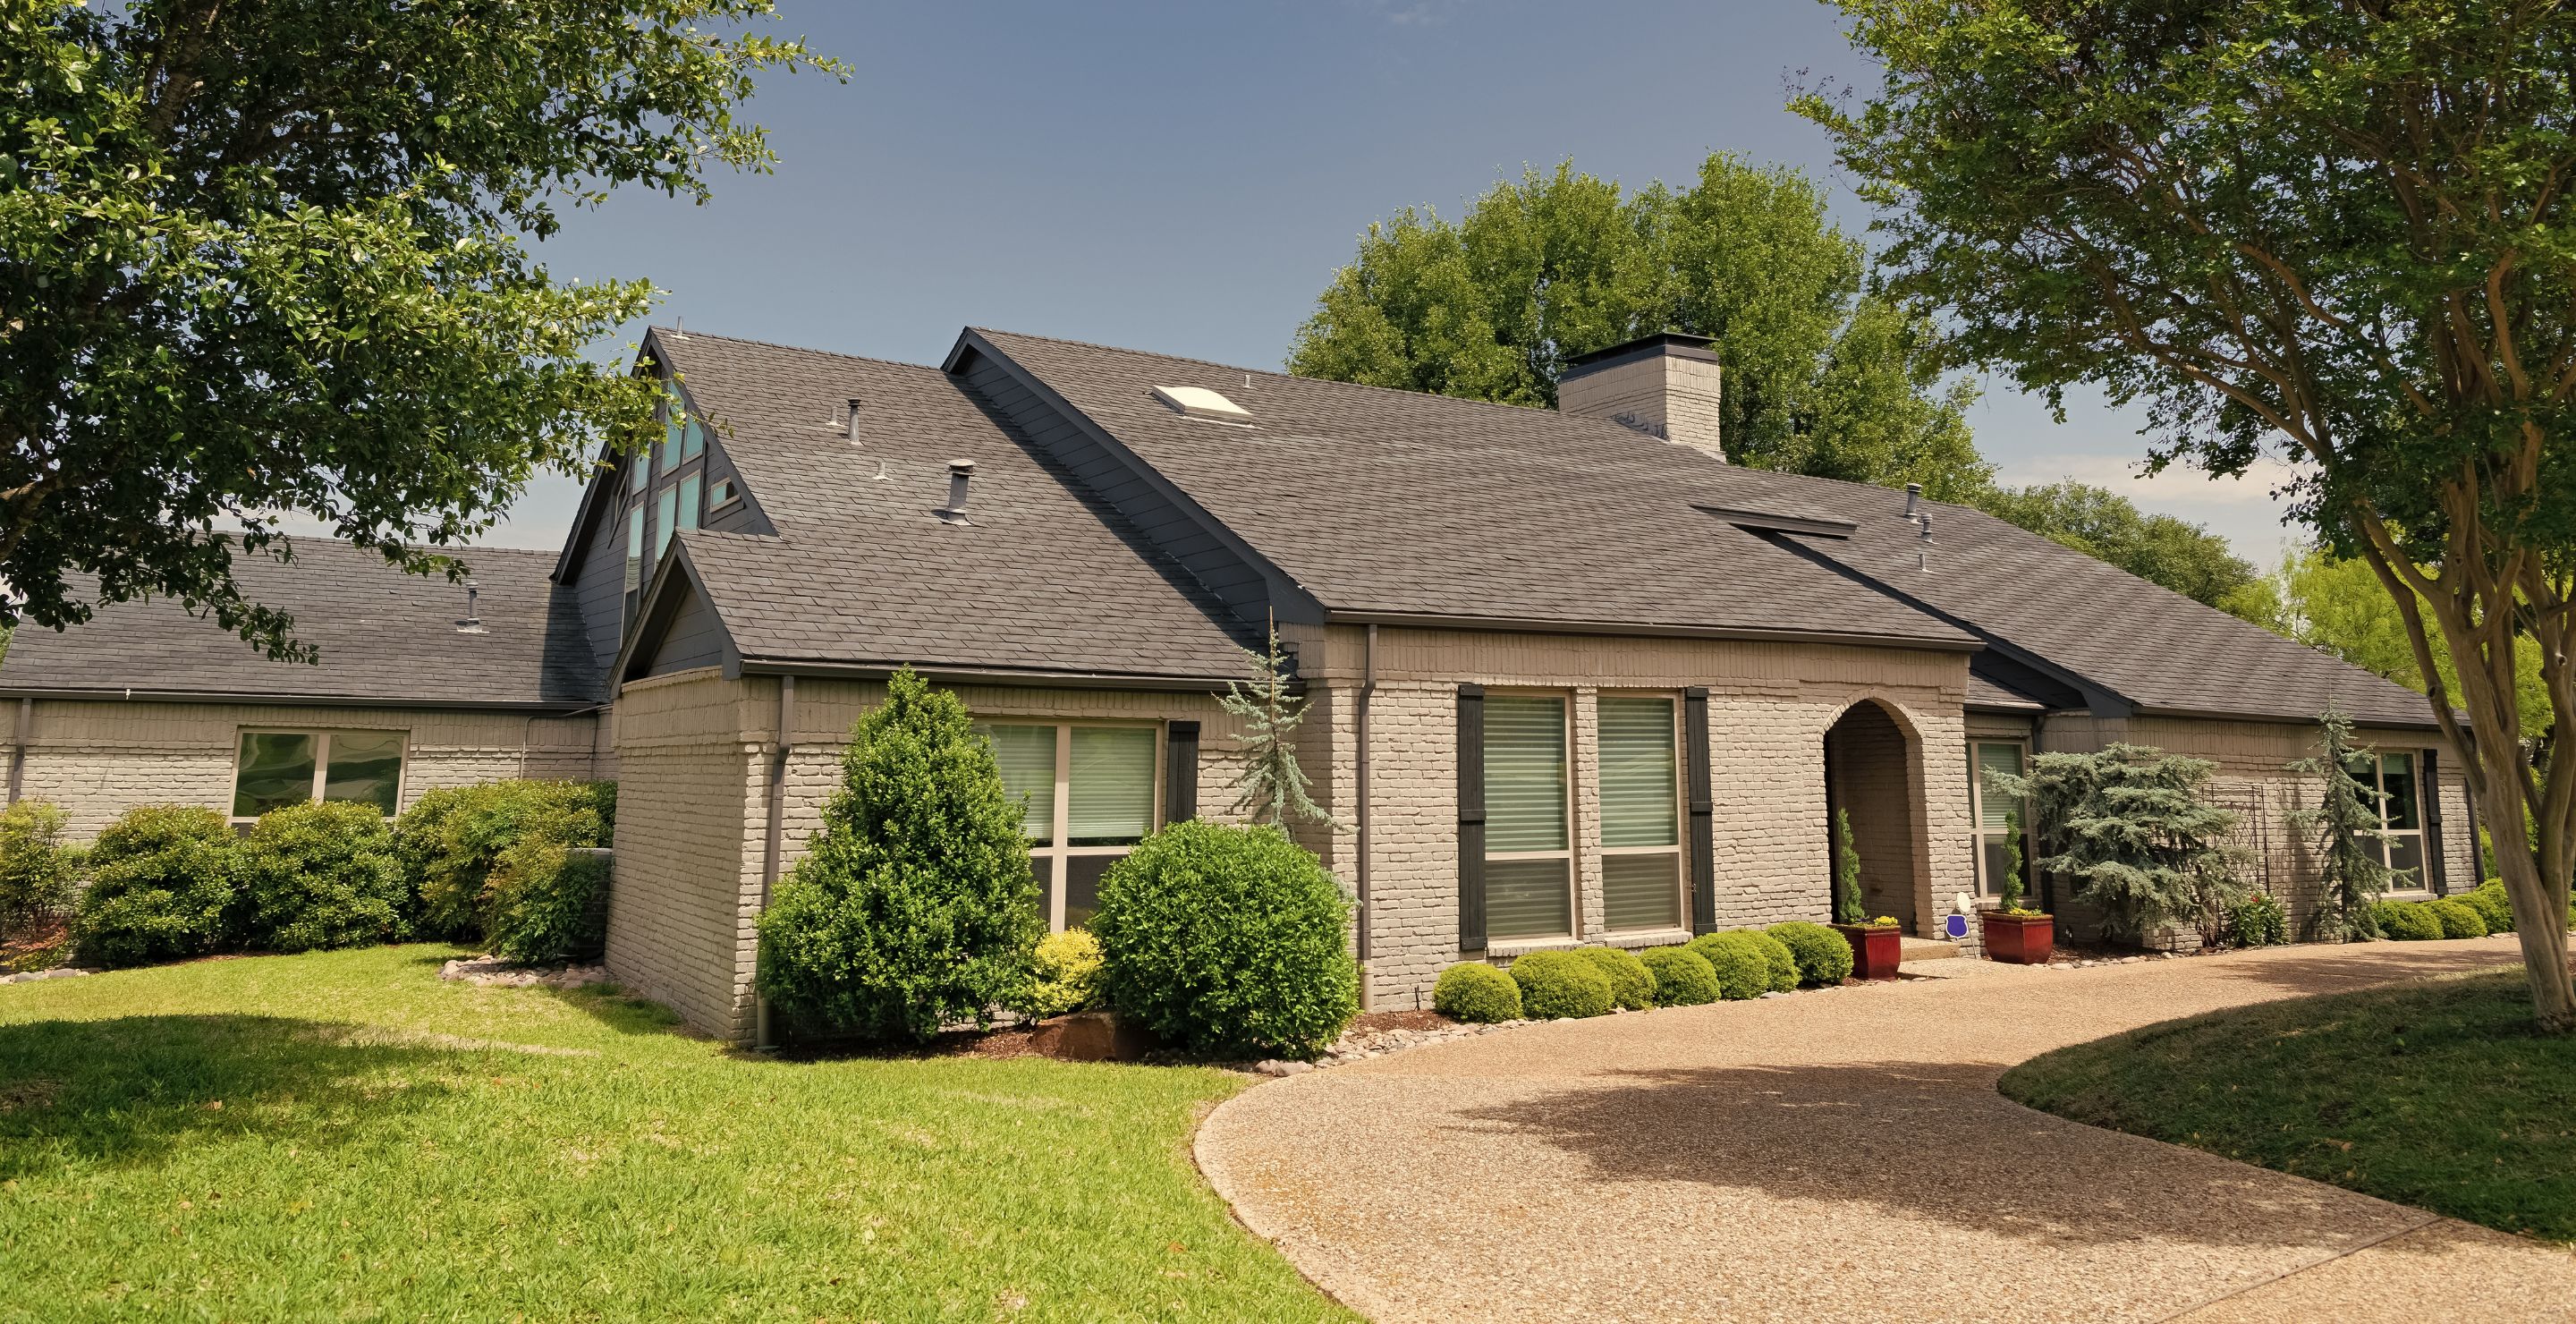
959,471
854,420
1923,548
1913,501
473,622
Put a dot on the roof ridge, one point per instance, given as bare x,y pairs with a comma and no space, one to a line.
1286,376
686,336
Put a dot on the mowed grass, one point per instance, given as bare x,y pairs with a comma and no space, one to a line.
344,1136
2437,1094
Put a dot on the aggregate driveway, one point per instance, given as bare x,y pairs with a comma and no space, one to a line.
1839,1155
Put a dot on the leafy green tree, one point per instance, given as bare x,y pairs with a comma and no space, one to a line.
2161,549
2344,823
2132,829
260,260
914,906
2340,606
1821,378
1270,785
2338,229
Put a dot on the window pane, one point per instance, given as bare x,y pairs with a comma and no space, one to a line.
1997,813
276,769
634,546
2397,777
1640,789
1027,758
365,766
1527,899
1997,852
674,422
693,443
639,470
689,502
1641,891
1042,868
665,507
1082,875
2407,852
1112,800
1524,773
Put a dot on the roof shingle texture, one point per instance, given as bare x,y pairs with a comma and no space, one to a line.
1044,578
382,635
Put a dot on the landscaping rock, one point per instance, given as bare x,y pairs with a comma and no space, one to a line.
510,974
31,976
1091,1036
1279,1067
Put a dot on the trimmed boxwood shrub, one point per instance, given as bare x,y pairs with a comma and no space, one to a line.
914,907
321,875
1559,985
35,867
1632,986
2492,905
1743,966
545,903
1476,993
1784,963
452,839
1683,978
1064,975
2457,919
2406,921
1824,957
1227,941
162,885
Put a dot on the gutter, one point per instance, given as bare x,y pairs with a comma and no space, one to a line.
1368,690
764,1034
276,699
990,675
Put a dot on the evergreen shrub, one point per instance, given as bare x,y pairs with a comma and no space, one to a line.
452,838
2405,921
2492,905
1683,978
2258,921
1632,986
1476,993
162,885
546,903
35,867
1561,985
319,875
1064,975
1824,956
1743,967
2458,919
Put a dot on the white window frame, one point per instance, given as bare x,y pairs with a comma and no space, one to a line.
1979,834
2382,807
321,763
1680,849
1060,849
1573,837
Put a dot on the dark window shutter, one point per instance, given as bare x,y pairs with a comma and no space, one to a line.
2436,874
1180,772
1471,818
1703,812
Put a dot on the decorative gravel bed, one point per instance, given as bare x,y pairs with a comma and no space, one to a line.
489,969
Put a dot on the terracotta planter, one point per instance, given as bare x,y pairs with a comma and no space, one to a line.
1876,949
2020,939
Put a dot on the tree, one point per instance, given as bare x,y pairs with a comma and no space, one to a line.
1820,377
2160,549
2340,606
1847,900
1270,785
266,260
2344,823
914,907
2130,828
2337,229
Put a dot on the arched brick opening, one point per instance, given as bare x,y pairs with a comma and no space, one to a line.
1869,774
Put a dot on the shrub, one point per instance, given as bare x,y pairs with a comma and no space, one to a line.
321,875
1476,993
914,907
1743,967
1561,985
2405,921
1064,975
2457,920
2258,922
35,869
544,903
162,885
1228,941
452,838
1824,957
1683,978
1632,986
1784,963
2492,905
2134,831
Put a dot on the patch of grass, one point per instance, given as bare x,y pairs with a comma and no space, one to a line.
342,1135
2437,1094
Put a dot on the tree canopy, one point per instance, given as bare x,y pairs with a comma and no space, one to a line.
1821,378
268,261
2339,605
2101,523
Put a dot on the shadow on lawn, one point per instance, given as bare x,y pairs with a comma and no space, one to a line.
133,1088
1919,1140
2342,967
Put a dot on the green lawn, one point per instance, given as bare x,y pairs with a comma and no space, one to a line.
2436,1094
343,1136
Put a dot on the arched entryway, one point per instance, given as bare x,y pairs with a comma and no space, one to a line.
1869,774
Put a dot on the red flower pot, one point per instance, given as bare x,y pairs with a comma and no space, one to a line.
2020,939
1876,949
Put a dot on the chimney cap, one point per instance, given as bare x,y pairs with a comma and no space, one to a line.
1681,343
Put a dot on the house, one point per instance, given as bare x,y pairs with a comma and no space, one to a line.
1574,678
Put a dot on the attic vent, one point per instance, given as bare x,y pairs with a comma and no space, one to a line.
1200,402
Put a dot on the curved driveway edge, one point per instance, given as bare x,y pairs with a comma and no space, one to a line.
1839,1155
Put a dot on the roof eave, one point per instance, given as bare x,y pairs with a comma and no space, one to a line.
287,698
955,673
1965,643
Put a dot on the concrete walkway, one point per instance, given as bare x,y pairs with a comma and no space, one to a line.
1839,1155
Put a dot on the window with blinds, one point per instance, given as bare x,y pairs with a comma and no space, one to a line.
2401,811
1026,755
1641,851
1087,794
1529,878
2000,821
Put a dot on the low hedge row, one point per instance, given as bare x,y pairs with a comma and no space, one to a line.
1591,981
2475,913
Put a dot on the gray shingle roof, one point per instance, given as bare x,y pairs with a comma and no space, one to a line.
382,634
1044,578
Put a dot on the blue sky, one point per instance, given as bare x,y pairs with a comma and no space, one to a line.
1185,178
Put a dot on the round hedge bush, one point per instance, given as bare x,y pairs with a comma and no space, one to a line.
2492,905
1476,993
1560,985
1823,955
1683,978
2458,920
544,904
322,874
1632,986
1064,975
2406,921
1227,941
1743,967
162,885
1784,963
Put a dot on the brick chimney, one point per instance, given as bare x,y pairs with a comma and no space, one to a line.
1663,385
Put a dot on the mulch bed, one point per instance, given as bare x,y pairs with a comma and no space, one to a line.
41,946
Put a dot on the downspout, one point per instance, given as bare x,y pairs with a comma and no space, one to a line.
763,1034
18,747
1368,688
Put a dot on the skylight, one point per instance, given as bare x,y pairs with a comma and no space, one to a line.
1200,402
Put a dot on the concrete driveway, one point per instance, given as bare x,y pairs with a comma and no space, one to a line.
1839,1155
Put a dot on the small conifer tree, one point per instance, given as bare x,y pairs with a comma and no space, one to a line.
2009,886
1270,785
914,907
1847,905
2344,824
2130,827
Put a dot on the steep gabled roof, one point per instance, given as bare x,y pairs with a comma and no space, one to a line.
384,636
